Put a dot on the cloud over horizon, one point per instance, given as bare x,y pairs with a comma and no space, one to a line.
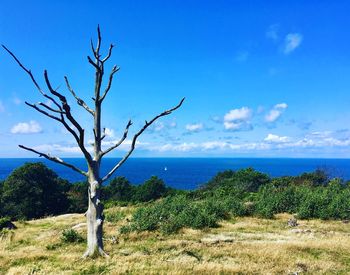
31,127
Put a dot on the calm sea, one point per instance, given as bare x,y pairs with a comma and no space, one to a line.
189,173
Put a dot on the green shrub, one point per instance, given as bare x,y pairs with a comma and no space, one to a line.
243,180
331,202
271,200
174,213
34,191
71,236
4,222
118,189
317,178
114,216
152,189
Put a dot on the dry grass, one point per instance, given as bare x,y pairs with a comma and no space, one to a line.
240,246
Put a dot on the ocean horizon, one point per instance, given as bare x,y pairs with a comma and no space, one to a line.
189,173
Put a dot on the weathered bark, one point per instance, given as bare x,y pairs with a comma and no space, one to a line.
62,113
94,219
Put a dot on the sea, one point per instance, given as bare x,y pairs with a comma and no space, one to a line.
189,173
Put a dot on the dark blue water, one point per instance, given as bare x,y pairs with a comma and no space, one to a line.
189,173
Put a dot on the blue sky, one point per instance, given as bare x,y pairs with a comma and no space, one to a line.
261,78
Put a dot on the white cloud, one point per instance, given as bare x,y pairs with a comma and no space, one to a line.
273,115
123,147
2,107
161,126
59,148
272,32
243,113
238,119
232,125
109,133
281,106
271,138
270,142
321,134
291,42
31,127
275,112
196,127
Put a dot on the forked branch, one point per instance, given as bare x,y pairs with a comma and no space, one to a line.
120,141
54,159
63,108
110,80
32,77
79,100
133,143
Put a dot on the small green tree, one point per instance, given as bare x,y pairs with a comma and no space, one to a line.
152,189
119,189
33,191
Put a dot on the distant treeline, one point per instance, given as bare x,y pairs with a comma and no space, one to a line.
34,191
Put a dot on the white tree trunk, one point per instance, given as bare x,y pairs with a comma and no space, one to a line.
95,218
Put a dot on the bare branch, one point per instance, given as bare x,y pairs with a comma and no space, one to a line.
51,109
133,143
61,119
42,111
109,54
109,85
93,64
54,159
120,141
104,134
98,42
79,100
67,109
92,47
32,77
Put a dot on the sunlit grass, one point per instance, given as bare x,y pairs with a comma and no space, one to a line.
254,246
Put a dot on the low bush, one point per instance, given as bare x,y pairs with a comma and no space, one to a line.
5,222
152,189
114,216
271,200
71,236
174,213
331,202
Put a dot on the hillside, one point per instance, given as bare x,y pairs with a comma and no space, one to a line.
241,245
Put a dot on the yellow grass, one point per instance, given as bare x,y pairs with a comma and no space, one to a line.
239,246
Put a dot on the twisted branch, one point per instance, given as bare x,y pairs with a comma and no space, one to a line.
54,159
119,142
79,100
133,143
32,77
110,80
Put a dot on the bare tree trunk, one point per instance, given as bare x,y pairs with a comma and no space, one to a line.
94,218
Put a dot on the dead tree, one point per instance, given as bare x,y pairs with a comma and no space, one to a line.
60,110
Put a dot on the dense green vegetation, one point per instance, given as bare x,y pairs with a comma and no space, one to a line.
246,192
34,191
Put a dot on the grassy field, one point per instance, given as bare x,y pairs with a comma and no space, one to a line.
238,246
